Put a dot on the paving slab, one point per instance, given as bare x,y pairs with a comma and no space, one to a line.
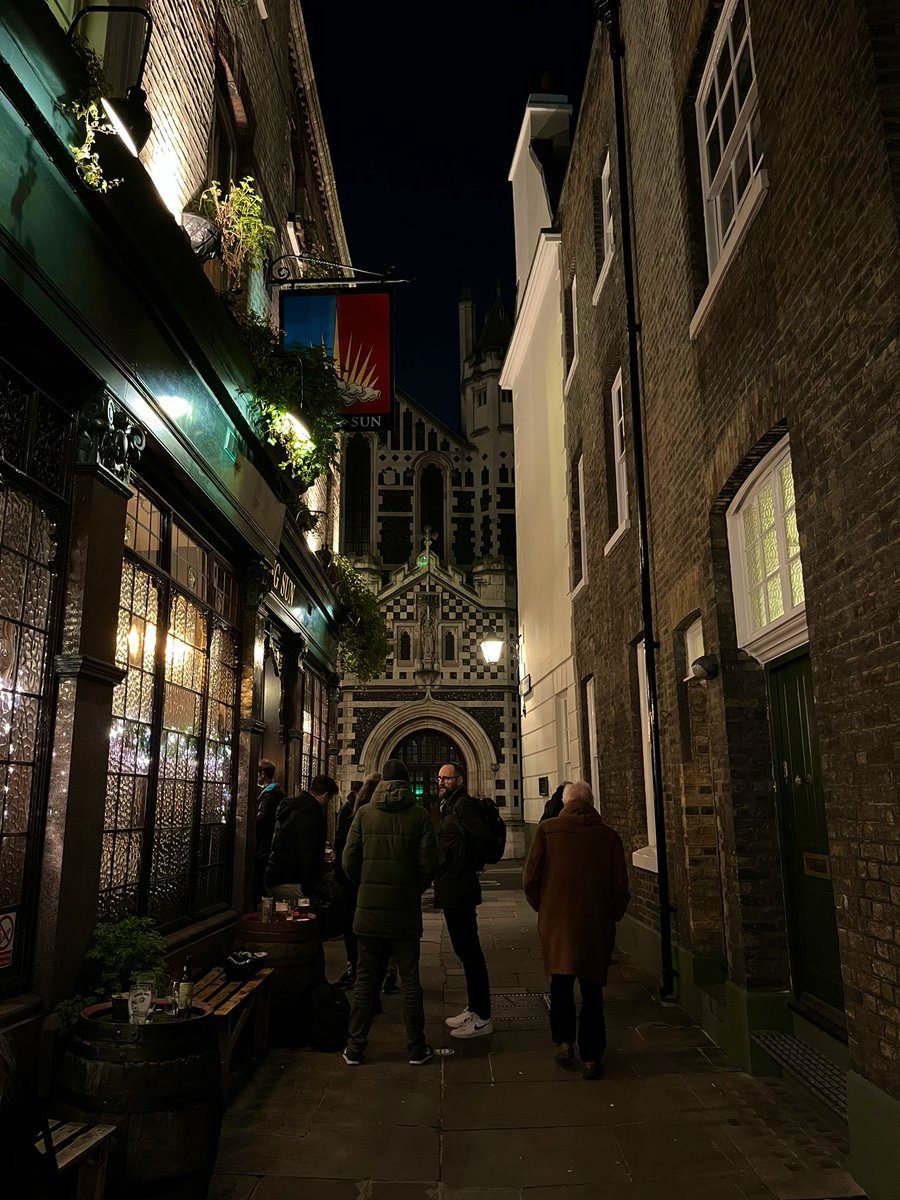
516,1157
670,1119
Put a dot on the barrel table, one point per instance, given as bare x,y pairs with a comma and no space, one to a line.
296,953
160,1084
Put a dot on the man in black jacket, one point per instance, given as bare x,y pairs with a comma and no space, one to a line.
270,796
458,892
297,858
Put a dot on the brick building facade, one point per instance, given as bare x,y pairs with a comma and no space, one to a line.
763,222
428,517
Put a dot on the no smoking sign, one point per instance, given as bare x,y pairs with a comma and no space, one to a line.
7,938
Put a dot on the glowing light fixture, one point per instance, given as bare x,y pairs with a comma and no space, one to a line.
299,428
127,114
176,406
491,646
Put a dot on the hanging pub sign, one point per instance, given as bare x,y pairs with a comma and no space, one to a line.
355,329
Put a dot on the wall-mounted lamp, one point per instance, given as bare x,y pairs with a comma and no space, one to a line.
491,646
128,114
705,667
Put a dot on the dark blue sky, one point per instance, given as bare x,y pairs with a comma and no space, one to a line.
422,115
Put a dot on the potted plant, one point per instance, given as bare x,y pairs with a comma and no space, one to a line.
237,215
118,951
159,1083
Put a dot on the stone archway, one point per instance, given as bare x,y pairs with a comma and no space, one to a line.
454,723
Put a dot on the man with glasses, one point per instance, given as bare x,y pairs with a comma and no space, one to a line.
458,892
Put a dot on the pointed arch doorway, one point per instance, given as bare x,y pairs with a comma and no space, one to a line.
424,752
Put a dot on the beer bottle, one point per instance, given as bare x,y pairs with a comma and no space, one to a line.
185,989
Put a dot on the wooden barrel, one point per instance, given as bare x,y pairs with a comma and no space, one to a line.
161,1085
296,953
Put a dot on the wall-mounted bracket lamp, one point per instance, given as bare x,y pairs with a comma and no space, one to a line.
705,667
128,114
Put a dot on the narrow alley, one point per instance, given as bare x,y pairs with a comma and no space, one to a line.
500,1120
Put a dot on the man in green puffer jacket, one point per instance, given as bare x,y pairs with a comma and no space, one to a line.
391,853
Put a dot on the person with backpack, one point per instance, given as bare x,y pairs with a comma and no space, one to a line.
391,855
464,841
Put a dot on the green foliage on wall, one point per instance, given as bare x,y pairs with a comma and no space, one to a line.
291,386
364,642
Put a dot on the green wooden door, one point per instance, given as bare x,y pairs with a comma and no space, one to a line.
815,957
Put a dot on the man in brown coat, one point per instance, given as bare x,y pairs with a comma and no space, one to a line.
577,882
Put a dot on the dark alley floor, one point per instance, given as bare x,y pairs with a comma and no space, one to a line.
671,1119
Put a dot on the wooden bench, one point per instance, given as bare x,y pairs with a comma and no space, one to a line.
233,1003
83,1146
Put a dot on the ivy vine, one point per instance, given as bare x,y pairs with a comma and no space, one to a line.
363,640
291,386
85,108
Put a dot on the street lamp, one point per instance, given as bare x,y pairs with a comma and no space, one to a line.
491,646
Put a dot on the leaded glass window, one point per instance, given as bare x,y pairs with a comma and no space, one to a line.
170,787
35,437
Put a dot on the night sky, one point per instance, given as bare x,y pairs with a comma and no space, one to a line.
422,116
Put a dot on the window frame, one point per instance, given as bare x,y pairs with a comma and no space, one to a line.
646,857
593,745
606,220
619,461
788,631
572,307
722,245
577,510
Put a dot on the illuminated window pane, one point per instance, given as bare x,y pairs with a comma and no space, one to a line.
767,506
786,477
757,608
754,563
776,602
770,552
798,594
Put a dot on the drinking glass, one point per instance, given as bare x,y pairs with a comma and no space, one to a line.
267,909
140,1000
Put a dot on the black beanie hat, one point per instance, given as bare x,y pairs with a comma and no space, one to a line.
395,768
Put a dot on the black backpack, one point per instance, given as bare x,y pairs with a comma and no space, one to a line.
492,843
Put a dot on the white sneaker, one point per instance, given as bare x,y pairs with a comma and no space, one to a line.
474,1027
462,1018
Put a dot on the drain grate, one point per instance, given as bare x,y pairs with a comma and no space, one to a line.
519,1006
824,1078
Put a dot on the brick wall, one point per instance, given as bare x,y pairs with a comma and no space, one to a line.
800,338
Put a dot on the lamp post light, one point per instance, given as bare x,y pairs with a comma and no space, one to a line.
491,646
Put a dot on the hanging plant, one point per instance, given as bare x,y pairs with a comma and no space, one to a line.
363,640
296,394
86,110
244,237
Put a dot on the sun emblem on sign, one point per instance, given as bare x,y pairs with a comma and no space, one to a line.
357,378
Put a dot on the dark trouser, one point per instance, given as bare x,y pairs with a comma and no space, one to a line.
591,1024
351,947
462,925
371,961
349,936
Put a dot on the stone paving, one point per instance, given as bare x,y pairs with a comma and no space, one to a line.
671,1119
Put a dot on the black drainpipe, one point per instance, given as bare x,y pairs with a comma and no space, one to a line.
608,13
